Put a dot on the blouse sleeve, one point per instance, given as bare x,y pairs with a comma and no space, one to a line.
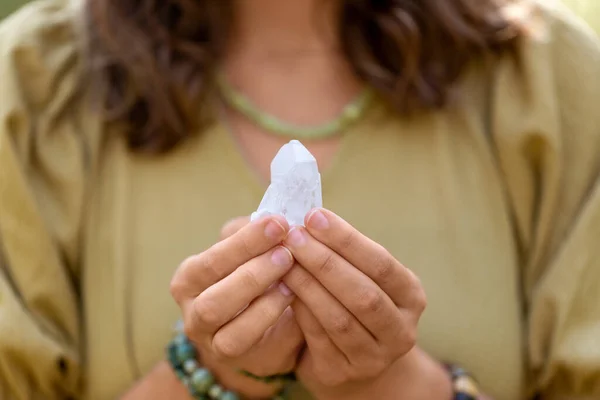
546,130
42,169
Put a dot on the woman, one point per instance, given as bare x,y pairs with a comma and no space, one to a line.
467,146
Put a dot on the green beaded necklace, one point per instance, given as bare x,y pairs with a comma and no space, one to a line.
352,112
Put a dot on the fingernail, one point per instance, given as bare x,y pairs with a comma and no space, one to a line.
295,237
317,220
282,257
285,290
274,230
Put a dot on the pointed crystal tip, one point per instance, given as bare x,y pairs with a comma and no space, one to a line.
289,155
295,186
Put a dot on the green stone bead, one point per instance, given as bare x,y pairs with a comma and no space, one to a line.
172,355
229,396
185,381
193,393
352,112
180,339
201,380
180,374
190,366
185,352
215,391
178,327
269,122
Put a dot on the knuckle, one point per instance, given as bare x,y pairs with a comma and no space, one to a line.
249,279
225,347
206,313
179,283
188,263
403,337
417,296
314,331
271,310
177,289
370,300
384,267
310,327
409,340
348,239
342,324
420,301
299,279
190,327
189,331
208,265
328,263
246,246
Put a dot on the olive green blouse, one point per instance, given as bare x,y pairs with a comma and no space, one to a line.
587,9
494,202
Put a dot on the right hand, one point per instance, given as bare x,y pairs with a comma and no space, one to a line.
234,307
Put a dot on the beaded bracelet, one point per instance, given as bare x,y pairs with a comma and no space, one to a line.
463,384
199,381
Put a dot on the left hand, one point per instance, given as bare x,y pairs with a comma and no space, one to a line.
357,306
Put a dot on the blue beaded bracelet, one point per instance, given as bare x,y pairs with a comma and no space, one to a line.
463,384
199,381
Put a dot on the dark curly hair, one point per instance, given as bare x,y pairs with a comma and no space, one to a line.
155,59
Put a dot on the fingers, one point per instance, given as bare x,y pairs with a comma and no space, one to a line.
286,333
199,272
261,314
368,256
284,339
353,289
322,360
334,320
231,301
222,301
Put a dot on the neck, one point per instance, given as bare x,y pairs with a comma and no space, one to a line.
285,27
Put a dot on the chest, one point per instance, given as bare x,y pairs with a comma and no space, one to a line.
434,200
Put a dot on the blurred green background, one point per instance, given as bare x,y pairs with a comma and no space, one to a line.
8,6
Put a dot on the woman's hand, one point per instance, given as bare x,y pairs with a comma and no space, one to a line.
357,306
234,308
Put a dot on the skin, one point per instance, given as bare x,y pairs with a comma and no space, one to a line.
341,298
356,306
270,350
280,48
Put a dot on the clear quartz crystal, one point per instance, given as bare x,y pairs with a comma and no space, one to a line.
295,186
